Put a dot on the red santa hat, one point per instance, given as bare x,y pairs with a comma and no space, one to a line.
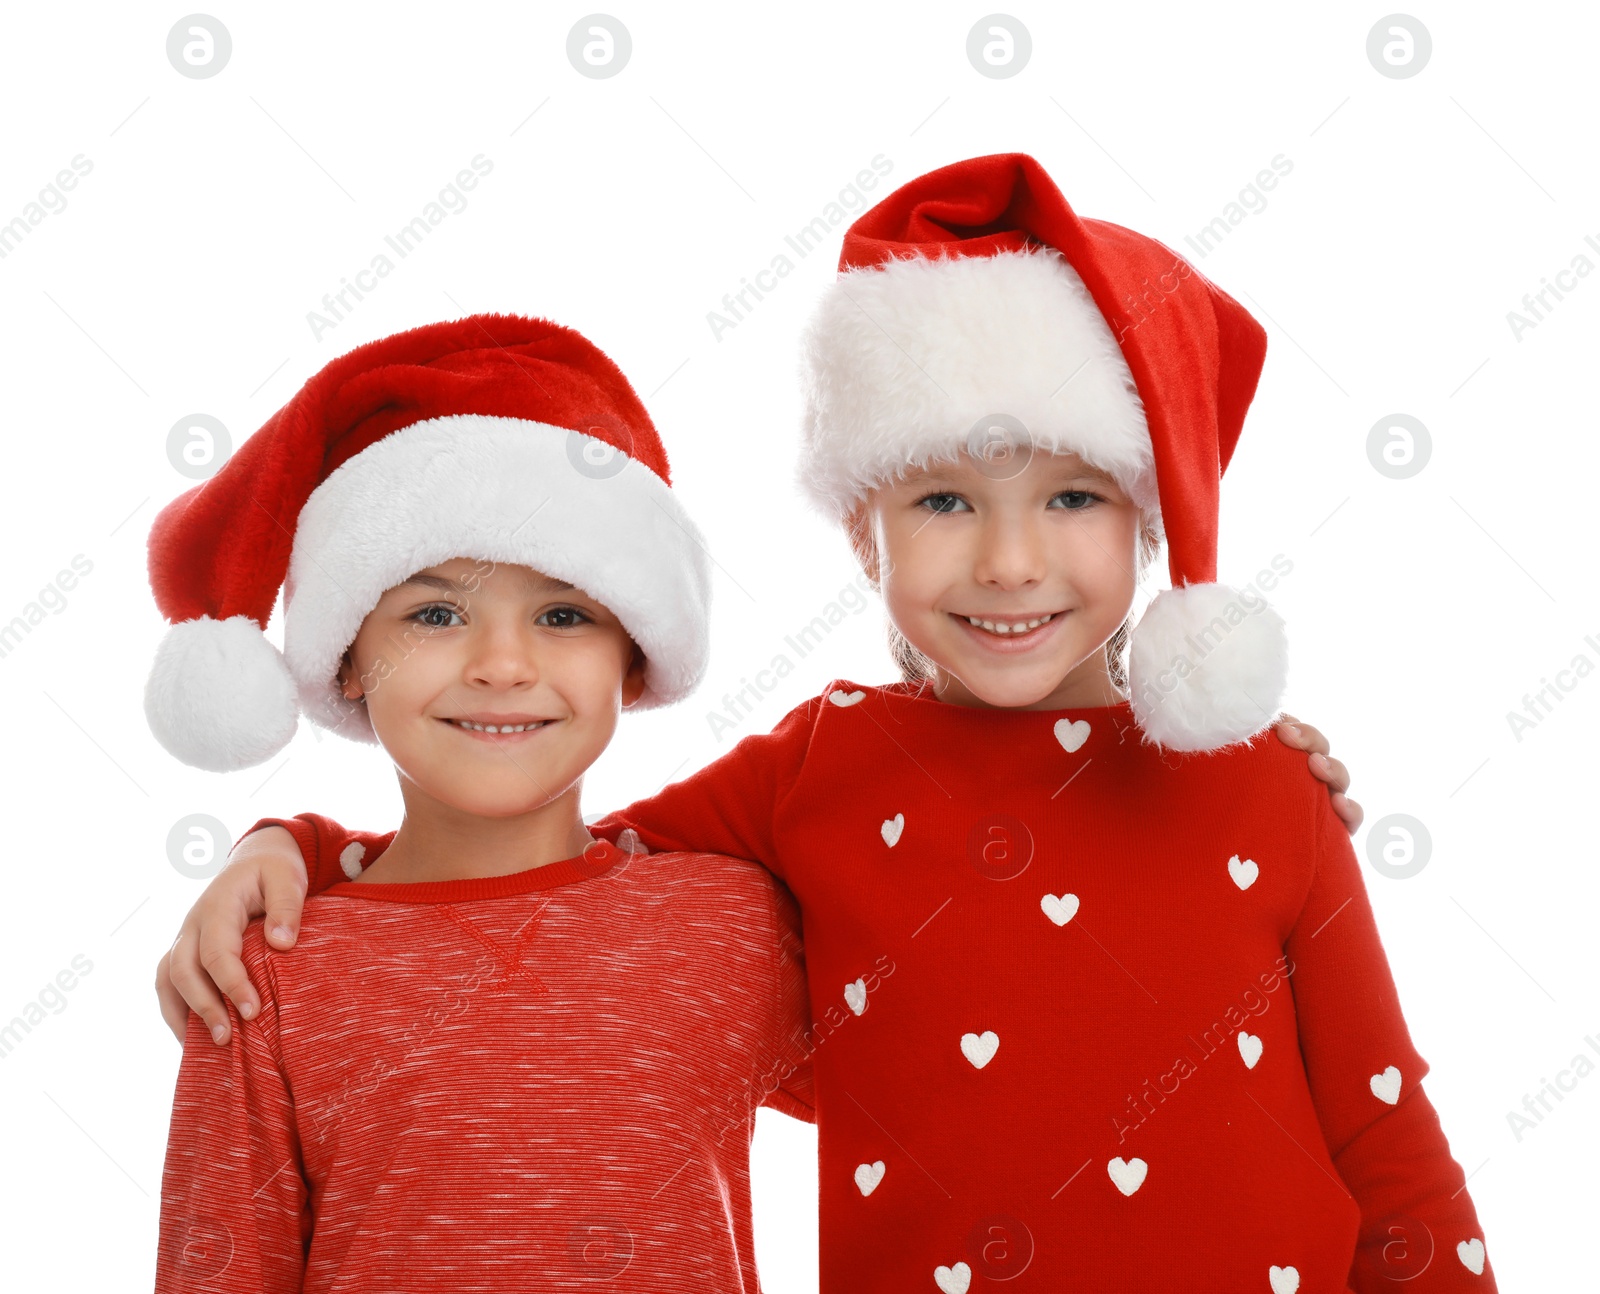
496,437
975,294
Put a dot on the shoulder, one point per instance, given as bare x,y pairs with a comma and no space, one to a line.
725,883
1263,763
681,870
1254,783
723,898
324,929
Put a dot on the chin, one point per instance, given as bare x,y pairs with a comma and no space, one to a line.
481,798
1011,689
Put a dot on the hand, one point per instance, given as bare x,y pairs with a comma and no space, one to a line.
265,875
1302,736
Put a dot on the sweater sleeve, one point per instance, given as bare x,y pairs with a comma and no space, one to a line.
728,806
235,1213
332,853
1418,1224
790,1088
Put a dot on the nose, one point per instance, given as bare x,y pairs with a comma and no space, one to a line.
504,654
1011,552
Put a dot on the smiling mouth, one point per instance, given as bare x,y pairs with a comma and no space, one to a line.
1009,628
500,730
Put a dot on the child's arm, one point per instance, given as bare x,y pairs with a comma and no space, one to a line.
725,808
1365,1078
728,807
234,1208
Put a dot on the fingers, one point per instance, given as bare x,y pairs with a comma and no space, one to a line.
220,943
1349,812
283,895
190,980
271,881
1332,771
1301,735
174,1010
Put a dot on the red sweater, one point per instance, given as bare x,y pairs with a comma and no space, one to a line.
1106,1019
542,1080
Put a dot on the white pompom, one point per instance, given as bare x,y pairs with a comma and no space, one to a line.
1207,666
219,695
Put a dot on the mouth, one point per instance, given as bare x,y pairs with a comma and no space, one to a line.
498,732
1010,633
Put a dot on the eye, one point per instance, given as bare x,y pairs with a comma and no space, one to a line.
423,615
944,503
562,618
1075,500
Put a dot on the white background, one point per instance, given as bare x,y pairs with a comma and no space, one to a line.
218,212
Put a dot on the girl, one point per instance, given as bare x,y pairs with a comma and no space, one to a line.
1103,1001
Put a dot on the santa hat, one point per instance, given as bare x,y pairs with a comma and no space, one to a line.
496,437
975,296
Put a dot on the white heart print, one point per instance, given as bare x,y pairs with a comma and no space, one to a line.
868,1176
1128,1174
855,996
1060,909
1249,1049
892,828
1244,873
350,858
980,1048
953,1280
1072,735
1285,1280
1471,1254
1386,1086
842,698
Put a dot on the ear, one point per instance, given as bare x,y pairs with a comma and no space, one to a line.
858,526
346,678
633,678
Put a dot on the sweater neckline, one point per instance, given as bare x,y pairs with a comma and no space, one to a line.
597,859
920,698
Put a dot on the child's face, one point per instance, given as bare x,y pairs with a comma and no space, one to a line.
473,641
1054,542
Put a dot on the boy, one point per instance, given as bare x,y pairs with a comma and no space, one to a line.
506,1054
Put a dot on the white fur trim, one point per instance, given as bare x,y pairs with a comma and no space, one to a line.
499,490
1207,665
219,696
903,360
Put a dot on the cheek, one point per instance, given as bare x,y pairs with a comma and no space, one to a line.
402,675
915,565
1100,554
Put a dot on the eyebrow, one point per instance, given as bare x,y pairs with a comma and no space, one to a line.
534,583
1085,469
934,475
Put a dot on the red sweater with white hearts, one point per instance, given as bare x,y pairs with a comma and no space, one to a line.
1087,1016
